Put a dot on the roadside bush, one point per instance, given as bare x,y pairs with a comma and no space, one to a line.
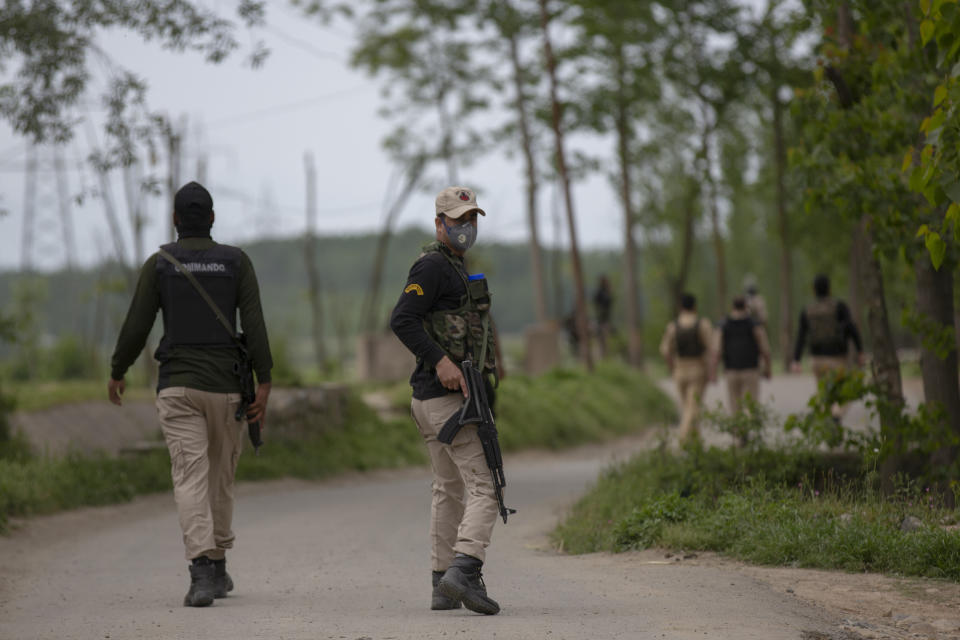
798,508
69,359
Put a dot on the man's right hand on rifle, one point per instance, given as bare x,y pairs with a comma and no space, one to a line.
257,410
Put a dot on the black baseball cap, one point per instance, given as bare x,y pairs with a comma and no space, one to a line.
192,199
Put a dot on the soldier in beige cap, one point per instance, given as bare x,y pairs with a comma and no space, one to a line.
688,347
442,316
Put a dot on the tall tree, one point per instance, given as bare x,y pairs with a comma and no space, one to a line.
706,74
556,119
45,50
860,137
615,41
423,48
768,44
512,27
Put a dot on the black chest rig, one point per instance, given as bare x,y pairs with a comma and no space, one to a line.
464,333
187,318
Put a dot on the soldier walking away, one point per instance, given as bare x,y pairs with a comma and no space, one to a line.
828,325
602,306
688,346
198,391
745,352
756,305
442,316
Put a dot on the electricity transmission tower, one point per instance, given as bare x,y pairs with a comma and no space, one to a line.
48,238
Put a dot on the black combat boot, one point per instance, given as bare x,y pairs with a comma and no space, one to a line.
441,602
464,582
202,588
222,582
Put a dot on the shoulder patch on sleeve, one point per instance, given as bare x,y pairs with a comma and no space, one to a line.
414,288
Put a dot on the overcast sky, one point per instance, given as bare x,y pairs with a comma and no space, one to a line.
254,127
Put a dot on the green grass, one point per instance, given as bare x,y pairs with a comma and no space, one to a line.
571,406
34,395
560,409
34,485
799,509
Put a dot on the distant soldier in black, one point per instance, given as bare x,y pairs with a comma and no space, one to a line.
828,326
198,390
745,352
603,307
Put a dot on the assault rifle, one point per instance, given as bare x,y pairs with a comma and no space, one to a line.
248,392
476,410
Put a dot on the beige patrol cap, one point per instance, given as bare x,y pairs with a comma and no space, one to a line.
454,202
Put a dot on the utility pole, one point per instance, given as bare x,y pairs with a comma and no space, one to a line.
309,246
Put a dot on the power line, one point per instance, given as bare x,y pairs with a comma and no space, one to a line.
304,45
283,108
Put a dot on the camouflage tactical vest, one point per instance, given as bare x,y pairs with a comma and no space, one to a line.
464,333
826,332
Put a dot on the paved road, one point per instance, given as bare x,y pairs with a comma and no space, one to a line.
348,559
785,395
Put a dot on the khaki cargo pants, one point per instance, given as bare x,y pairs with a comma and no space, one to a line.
822,365
690,376
741,382
464,507
204,440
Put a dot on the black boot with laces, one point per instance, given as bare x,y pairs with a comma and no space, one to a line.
441,602
222,582
463,581
202,589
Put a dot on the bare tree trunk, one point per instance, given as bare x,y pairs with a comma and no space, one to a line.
372,302
174,151
536,259
711,197
786,258
131,186
581,303
857,262
886,364
634,343
313,278
941,383
686,251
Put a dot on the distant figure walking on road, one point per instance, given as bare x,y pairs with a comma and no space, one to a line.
198,391
756,305
745,352
603,306
688,348
827,324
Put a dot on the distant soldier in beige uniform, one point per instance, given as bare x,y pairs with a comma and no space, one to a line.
745,352
688,347
756,305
